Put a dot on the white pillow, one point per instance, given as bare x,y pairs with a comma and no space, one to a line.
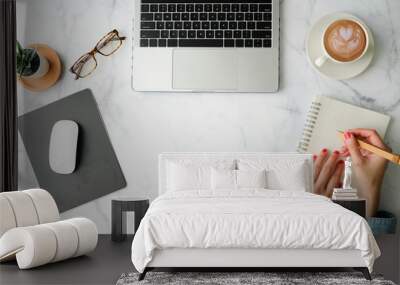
223,179
251,178
293,178
193,173
186,177
282,174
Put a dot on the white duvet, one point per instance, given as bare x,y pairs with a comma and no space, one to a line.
250,219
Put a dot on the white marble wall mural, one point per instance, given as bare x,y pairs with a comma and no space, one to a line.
141,125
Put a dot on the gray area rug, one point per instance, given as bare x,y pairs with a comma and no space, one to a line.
233,278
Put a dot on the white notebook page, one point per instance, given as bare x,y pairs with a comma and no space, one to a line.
334,115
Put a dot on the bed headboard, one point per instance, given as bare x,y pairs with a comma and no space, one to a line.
164,158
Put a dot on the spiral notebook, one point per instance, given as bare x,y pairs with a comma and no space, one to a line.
327,115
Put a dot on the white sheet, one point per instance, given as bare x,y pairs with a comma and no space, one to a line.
250,218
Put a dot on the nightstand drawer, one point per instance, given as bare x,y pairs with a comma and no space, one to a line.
357,206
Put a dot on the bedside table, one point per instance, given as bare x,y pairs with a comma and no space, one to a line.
358,206
119,207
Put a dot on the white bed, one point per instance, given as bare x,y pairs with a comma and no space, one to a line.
248,227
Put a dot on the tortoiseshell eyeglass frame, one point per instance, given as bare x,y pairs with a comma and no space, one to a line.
76,68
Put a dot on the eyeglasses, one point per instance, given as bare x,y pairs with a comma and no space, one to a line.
87,63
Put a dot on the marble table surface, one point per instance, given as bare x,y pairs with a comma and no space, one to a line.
142,125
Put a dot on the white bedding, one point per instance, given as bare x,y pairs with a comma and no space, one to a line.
250,219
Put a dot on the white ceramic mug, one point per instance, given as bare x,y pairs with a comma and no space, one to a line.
320,61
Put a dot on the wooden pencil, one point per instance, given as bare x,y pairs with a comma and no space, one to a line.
395,158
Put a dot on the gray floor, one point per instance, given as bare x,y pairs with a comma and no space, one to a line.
103,266
111,259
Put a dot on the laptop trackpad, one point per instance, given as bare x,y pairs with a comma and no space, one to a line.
204,69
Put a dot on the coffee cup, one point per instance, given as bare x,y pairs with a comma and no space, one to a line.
344,41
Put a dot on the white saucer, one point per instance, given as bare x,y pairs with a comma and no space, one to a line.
332,69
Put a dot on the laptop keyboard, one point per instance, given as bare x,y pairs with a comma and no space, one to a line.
191,23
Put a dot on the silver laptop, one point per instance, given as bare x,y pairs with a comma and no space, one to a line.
206,46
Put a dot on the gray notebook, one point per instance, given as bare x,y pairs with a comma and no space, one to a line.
327,115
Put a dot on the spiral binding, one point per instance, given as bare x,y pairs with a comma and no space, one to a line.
308,129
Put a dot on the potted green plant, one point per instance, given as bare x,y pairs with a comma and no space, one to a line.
30,64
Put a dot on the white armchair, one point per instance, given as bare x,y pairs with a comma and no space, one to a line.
32,233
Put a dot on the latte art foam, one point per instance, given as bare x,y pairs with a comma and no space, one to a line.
345,40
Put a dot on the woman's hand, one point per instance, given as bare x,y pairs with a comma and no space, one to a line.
368,168
328,171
